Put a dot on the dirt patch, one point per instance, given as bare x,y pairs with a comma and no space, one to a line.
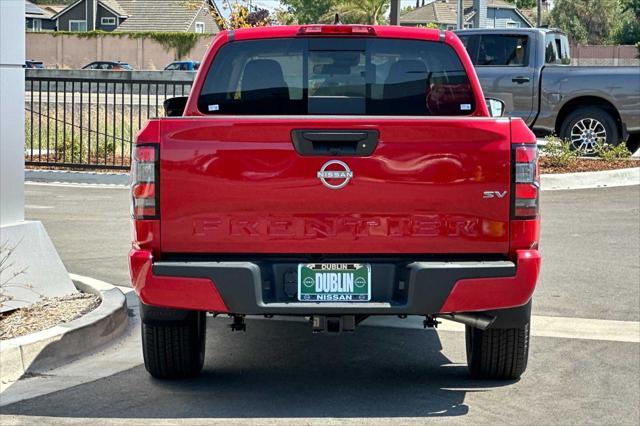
46,314
586,165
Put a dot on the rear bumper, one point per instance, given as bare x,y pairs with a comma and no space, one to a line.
415,288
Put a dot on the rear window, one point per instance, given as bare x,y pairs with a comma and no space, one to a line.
497,49
338,76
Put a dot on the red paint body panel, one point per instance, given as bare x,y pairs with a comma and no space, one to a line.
146,235
236,184
483,294
172,292
525,234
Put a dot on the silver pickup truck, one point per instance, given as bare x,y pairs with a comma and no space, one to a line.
528,69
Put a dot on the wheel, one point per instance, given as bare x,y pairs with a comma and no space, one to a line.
174,349
500,353
589,128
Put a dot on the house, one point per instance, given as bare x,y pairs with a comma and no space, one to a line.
168,15
137,15
38,18
477,14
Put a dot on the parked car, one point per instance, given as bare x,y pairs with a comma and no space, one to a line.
108,65
374,183
29,63
528,68
183,66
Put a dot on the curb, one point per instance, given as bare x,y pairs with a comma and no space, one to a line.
58,345
66,176
587,180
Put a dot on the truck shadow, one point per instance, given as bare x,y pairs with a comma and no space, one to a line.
280,370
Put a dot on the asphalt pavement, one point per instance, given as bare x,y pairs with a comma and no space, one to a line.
278,372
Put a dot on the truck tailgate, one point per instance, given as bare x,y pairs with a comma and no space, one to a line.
234,184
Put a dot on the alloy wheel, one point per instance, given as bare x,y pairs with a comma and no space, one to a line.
588,135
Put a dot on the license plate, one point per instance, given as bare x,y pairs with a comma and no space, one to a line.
334,282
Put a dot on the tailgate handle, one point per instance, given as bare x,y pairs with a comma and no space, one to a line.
357,143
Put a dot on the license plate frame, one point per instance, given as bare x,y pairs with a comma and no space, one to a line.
338,282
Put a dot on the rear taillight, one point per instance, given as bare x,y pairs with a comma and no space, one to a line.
526,181
144,182
360,30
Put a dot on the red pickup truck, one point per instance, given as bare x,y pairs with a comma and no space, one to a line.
335,172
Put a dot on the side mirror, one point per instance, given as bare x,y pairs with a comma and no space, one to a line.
174,107
495,106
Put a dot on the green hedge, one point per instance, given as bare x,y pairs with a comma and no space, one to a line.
183,43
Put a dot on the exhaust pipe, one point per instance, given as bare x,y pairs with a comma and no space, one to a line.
475,320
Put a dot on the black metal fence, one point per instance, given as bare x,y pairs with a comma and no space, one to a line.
89,119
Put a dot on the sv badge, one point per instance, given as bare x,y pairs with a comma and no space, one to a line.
494,194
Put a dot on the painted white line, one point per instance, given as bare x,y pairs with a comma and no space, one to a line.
588,329
36,207
541,326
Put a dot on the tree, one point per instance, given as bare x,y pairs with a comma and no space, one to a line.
284,17
586,21
308,11
358,12
240,17
259,18
628,32
524,4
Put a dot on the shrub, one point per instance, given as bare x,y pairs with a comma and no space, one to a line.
557,152
613,153
98,141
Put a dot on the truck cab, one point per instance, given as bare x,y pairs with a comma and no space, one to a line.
529,69
509,63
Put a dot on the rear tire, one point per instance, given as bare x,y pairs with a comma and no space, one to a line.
175,349
589,129
500,353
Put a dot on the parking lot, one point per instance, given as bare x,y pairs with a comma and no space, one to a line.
388,371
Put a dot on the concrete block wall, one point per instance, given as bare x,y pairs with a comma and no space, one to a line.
71,52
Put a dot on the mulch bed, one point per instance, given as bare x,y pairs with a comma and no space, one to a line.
45,314
587,165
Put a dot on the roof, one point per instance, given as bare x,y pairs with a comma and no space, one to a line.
33,11
112,5
521,30
531,15
446,12
150,15
52,8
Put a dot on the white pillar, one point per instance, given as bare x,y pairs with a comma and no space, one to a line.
11,111
34,267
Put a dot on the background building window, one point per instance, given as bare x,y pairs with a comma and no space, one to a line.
107,21
199,27
77,25
37,25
